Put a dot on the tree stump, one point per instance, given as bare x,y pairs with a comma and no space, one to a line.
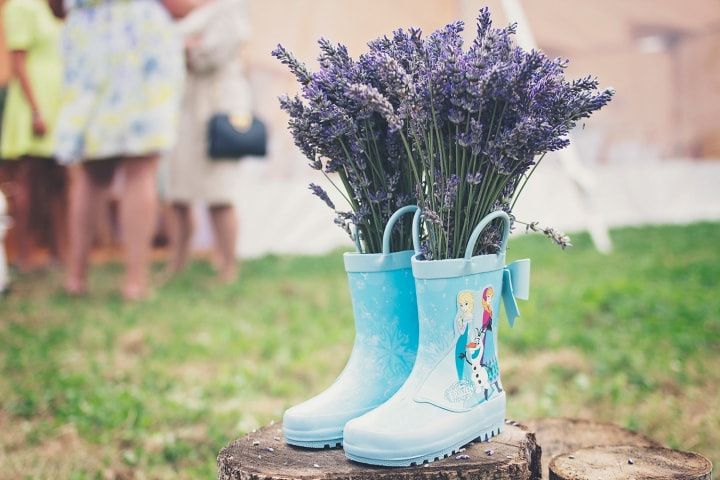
630,463
564,435
514,454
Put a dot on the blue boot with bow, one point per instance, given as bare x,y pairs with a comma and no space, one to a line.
454,394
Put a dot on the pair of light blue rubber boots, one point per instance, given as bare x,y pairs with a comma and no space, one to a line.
423,377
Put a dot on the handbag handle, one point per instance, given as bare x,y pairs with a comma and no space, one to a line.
393,220
482,225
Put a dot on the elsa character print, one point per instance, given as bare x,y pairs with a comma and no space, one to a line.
463,320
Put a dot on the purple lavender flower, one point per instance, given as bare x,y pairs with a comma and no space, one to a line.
379,196
475,178
432,216
298,69
424,120
456,116
371,100
318,191
451,189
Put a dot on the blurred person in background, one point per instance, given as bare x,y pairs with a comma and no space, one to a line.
29,119
214,35
123,82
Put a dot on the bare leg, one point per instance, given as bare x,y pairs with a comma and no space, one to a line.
21,219
48,206
225,225
57,205
138,214
182,231
89,184
58,217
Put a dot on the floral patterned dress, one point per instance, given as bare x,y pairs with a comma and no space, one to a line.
123,80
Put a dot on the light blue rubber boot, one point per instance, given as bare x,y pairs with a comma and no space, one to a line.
454,394
386,325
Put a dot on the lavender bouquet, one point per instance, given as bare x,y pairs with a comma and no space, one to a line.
344,122
423,120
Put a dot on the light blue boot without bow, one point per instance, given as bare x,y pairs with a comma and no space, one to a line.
386,324
454,394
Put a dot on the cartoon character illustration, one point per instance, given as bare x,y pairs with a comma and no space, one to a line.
473,357
466,303
489,359
464,318
487,324
477,377
487,297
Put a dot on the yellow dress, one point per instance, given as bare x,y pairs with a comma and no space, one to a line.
29,25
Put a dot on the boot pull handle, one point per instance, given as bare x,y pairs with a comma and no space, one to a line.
391,224
355,234
482,225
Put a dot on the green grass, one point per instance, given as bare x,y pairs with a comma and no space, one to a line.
95,388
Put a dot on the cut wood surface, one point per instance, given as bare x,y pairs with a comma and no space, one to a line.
630,463
514,454
564,435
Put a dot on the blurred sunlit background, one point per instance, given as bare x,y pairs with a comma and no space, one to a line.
649,154
649,157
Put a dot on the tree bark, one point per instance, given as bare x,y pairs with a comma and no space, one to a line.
564,435
630,463
514,454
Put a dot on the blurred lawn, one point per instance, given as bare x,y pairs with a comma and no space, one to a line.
95,388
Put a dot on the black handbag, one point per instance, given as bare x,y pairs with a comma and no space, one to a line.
233,137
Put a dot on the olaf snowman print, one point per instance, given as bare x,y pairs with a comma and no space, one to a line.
476,353
473,356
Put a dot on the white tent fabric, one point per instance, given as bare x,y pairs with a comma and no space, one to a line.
281,216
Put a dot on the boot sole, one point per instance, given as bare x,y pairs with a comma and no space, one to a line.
318,444
493,412
484,436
